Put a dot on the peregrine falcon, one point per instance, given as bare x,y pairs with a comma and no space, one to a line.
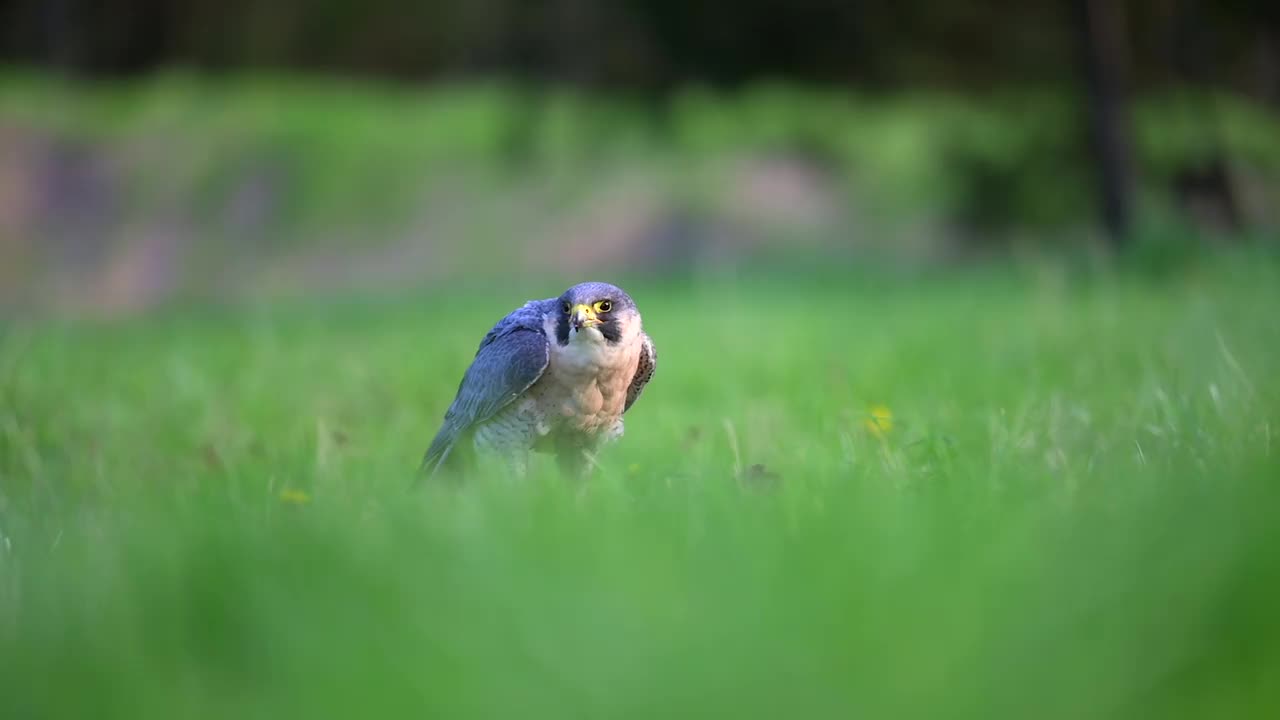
555,375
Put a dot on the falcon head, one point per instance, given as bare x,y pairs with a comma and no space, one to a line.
596,312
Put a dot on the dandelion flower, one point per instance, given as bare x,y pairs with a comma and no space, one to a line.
879,420
294,497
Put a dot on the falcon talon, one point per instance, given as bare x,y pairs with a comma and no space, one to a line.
554,375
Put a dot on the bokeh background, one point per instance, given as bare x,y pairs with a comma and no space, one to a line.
157,151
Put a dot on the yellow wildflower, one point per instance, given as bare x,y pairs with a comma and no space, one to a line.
879,420
294,497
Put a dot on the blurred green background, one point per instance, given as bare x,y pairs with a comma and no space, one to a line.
967,400
155,151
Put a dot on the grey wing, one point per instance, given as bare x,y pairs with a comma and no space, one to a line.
644,371
508,362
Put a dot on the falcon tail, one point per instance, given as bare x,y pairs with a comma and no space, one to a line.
436,456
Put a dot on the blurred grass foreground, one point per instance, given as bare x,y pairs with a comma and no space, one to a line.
982,495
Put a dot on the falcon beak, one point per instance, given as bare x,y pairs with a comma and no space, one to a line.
583,316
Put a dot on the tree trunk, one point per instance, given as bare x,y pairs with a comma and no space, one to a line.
1099,36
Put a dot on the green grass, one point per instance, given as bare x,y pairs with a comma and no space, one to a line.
1073,514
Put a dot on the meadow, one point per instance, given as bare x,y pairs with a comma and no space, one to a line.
996,492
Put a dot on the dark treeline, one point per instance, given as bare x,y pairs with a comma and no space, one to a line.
650,46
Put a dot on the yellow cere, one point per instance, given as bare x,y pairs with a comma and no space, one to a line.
586,312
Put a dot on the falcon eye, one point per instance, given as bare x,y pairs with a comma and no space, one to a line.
565,307
604,306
